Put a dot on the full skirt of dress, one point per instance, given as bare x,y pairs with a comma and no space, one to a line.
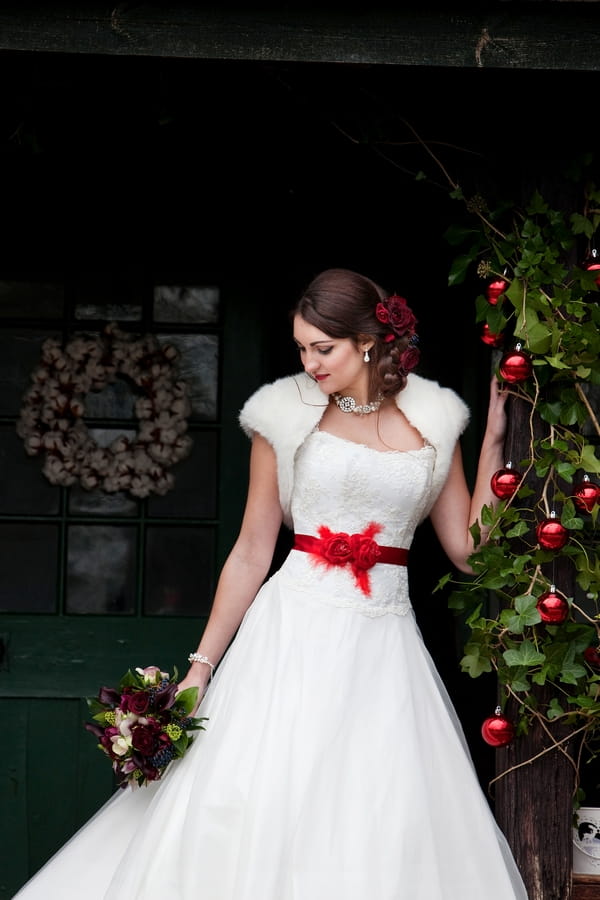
333,766
290,795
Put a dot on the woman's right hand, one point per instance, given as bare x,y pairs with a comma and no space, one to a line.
197,678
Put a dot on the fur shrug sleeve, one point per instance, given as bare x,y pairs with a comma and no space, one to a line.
286,411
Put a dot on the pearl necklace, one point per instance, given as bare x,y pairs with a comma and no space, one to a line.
349,405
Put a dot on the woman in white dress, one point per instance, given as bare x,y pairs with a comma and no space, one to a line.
333,766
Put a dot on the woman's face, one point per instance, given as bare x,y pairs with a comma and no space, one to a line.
336,364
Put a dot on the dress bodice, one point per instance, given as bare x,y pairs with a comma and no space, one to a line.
346,486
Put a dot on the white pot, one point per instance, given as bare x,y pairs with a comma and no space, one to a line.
586,841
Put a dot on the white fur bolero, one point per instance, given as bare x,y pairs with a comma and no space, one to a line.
286,411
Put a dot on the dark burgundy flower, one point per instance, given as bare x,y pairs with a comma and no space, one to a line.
382,314
150,772
165,698
409,359
93,728
365,551
138,703
143,739
109,697
336,549
401,317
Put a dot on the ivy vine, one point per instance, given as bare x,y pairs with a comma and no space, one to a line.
550,306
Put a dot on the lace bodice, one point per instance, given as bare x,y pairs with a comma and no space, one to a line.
345,486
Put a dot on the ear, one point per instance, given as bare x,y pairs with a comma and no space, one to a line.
365,342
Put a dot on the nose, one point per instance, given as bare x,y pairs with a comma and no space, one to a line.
311,363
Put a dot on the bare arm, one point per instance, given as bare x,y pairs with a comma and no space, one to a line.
247,564
456,509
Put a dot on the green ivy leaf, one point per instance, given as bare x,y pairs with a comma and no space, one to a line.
518,680
517,530
474,662
589,460
459,269
524,615
571,673
555,710
525,655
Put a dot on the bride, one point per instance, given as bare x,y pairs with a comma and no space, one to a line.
333,766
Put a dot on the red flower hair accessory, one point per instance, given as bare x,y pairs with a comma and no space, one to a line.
395,312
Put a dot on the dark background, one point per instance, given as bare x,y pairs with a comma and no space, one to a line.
129,171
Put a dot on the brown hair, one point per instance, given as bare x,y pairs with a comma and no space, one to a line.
342,303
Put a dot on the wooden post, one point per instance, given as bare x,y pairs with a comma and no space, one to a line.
534,808
534,801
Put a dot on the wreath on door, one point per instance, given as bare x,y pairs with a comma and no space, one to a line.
51,418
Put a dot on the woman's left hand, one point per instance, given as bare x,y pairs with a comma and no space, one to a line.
496,417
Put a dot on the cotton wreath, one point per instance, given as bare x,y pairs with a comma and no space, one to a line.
51,418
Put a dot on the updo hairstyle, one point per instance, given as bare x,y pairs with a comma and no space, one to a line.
342,304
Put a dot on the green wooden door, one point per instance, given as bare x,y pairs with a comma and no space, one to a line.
93,583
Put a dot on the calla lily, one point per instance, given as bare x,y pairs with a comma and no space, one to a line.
108,696
165,698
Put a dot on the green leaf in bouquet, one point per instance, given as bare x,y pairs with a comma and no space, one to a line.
94,706
187,699
129,679
195,724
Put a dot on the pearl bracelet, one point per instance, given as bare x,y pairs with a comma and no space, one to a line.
198,657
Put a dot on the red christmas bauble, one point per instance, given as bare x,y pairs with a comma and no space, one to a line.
505,482
497,730
491,338
592,264
552,534
494,289
586,494
592,656
553,608
515,365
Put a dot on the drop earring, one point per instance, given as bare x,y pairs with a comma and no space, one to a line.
366,357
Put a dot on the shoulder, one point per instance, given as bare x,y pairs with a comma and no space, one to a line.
292,403
438,412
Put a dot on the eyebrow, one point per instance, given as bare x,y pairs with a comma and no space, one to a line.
315,343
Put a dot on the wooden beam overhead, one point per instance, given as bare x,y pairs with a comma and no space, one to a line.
505,35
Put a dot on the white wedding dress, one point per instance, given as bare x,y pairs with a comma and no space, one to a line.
332,766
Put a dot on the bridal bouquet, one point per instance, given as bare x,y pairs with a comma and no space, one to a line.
143,724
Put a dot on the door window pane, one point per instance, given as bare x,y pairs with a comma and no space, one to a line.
99,503
28,567
198,366
101,297
184,303
24,489
20,353
111,312
195,492
179,571
27,300
115,401
101,569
